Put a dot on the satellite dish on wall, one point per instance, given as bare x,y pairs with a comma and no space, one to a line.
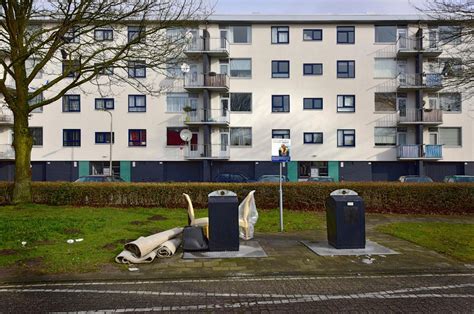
185,68
186,135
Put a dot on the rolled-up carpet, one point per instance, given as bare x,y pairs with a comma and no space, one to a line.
126,257
168,248
144,245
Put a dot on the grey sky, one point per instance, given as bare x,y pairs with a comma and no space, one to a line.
282,7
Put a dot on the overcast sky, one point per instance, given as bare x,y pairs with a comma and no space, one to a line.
316,6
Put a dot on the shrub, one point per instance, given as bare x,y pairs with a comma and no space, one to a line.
380,197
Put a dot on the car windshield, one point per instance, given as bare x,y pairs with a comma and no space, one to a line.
418,179
271,179
320,179
92,179
463,179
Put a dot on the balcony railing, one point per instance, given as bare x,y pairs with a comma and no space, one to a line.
425,116
206,81
417,151
211,151
208,116
6,118
7,152
218,46
419,80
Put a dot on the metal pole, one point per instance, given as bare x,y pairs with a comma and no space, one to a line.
281,199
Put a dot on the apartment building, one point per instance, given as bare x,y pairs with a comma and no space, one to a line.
361,97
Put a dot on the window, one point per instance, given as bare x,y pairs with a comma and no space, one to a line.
345,103
385,101
241,136
312,103
240,101
137,69
450,35
280,103
136,33
104,70
280,69
104,137
173,137
176,33
136,103
449,67
137,137
37,134
386,34
385,136
312,137
346,69
173,71
281,133
71,103
345,35
312,69
104,104
71,137
36,100
104,35
450,136
241,67
312,34
240,34
175,102
346,138
280,35
71,68
72,35
385,68
450,102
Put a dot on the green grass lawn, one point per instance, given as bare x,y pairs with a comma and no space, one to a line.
453,239
104,230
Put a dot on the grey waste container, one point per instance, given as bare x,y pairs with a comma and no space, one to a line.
345,218
223,221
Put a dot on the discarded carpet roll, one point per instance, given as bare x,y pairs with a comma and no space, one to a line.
144,245
168,248
126,257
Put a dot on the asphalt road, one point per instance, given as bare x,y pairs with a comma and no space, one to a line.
379,293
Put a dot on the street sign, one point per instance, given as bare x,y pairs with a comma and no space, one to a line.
281,149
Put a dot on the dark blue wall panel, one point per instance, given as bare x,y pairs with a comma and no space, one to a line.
7,171
147,171
268,167
61,171
469,169
391,171
355,171
246,168
38,170
186,171
438,170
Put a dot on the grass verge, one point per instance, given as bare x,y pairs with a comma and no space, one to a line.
453,239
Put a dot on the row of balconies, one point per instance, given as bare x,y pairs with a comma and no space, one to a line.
414,81
200,116
412,45
419,152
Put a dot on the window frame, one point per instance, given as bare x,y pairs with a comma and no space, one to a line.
313,30
344,106
73,64
249,34
106,140
140,141
278,62
72,36
343,144
385,42
135,96
105,100
339,74
33,137
282,136
65,131
66,102
134,29
278,42
347,32
240,111
460,136
104,31
314,136
133,66
283,97
238,145
313,67
395,137
313,107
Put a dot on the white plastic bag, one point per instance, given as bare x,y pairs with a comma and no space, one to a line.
248,216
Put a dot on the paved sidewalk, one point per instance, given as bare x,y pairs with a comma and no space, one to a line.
286,256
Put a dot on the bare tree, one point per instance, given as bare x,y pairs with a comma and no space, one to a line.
455,20
79,42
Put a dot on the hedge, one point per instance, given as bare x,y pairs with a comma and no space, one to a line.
379,197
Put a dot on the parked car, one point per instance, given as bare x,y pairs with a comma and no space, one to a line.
100,178
321,179
231,177
457,178
415,179
272,178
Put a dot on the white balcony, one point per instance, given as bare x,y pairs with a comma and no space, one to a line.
414,81
194,82
212,151
215,47
6,118
7,152
412,45
209,116
420,116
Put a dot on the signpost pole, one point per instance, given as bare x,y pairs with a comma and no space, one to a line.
281,199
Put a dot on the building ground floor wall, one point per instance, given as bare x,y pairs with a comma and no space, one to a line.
198,171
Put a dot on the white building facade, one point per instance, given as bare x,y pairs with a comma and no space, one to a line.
362,98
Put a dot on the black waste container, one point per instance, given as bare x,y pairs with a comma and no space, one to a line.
345,218
223,221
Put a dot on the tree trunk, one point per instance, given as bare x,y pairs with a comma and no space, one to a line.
22,142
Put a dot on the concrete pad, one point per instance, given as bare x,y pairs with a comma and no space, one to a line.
247,249
371,248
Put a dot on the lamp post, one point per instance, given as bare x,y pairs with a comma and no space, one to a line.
111,141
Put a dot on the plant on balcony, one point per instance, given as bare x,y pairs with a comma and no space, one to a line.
187,110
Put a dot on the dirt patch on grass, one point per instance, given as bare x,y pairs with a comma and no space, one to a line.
35,263
72,231
157,218
137,223
6,252
45,242
113,245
